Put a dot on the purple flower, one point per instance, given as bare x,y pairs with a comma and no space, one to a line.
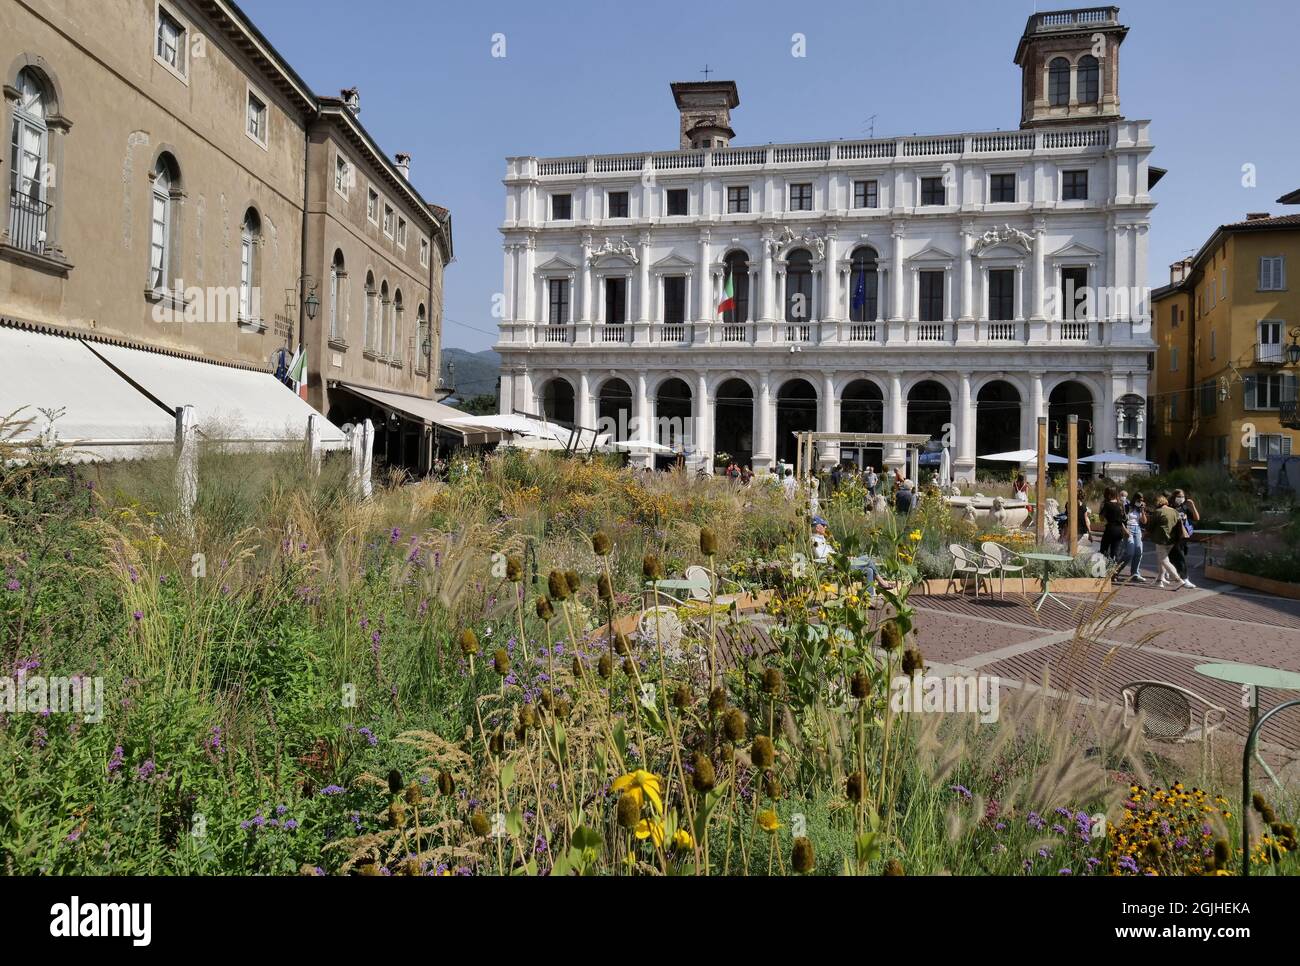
214,742
73,835
138,615
13,585
115,762
1065,872
332,790
146,770
961,790
369,736
1128,864
290,824
395,535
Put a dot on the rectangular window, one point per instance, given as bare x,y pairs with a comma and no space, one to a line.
616,205
1272,273
1173,358
737,200
1173,408
1074,185
1002,294
933,192
1270,341
678,202
1075,305
615,301
561,207
675,299
866,194
559,291
1002,188
342,175
1214,351
372,205
424,253
1269,390
158,242
1209,398
401,232
1270,444
256,118
388,220
1173,316
931,296
801,197
171,45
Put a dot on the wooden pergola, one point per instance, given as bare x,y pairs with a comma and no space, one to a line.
809,440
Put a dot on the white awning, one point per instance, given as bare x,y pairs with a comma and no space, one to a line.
101,416
515,423
428,411
232,405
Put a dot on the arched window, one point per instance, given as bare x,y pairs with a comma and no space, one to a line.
368,341
250,236
423,346
338,305
737,269
29,163
1089,81
162,230
864,285
798,286
395,330
1058,82
385,307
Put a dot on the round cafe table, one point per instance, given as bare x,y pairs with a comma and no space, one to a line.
1253,677
1206,544
1237,525
1048,559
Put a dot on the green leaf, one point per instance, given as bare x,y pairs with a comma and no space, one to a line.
507,775
515,821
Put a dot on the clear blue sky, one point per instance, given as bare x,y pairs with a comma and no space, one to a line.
1218,81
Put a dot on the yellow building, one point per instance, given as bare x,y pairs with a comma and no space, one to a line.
1224,386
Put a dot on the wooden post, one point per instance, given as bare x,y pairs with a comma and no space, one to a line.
187,468
1040,484
313,445
1072,487
798,457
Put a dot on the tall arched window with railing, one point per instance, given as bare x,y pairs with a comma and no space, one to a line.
368,341
29,164
385,308
798,286
737,270
250,237
164,193
338,305
395,331
864,285
1058,82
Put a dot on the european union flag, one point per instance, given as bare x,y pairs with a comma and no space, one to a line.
860,291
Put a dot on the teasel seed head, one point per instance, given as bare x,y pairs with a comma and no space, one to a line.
501,661
860,684
733,725
446,783
1261,805
628,811
562,708
411,867
761,752
853,787
497,743
527,715
514,570
600,543
545,610
913,661
573,580
621,644
547,698
727,752
708,541
521,732
395,782
605,667
370,868
396,814
629,667
682,697
891,635
478,822
717,701
802,858
1222,853
772,786
651,568
893,867
577,667
604,588
468,642
773,682
703,778
557,585
414,794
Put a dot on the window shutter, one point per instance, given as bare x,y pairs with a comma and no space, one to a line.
1289,385
1250,392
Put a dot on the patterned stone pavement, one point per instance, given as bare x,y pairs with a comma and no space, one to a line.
1142,633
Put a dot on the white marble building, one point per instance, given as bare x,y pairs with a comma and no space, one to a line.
959,285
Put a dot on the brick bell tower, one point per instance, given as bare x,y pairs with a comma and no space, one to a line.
1069,62
705,108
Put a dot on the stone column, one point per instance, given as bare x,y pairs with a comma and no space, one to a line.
769,281
896,274
765,428
703,310
508,296
583,414
702,410
967,279
1037,407
506,400
830,271
643,279
585,314
1038,317
964,458
895,421
830,420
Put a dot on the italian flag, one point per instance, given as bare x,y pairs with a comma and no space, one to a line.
298,373
728,296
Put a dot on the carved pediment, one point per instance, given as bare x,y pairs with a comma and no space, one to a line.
1076,250
557,264
614,250
788,240
932,253
673,262
1004,237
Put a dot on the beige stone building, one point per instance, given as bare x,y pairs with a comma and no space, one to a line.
175,186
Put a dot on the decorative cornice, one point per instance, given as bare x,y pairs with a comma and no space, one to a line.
1006,235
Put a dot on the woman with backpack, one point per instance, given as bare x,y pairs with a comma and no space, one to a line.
1188,516
1163,523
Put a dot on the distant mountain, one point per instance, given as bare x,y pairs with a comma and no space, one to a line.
476,372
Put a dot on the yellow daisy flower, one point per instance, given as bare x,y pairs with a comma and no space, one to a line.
641,784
